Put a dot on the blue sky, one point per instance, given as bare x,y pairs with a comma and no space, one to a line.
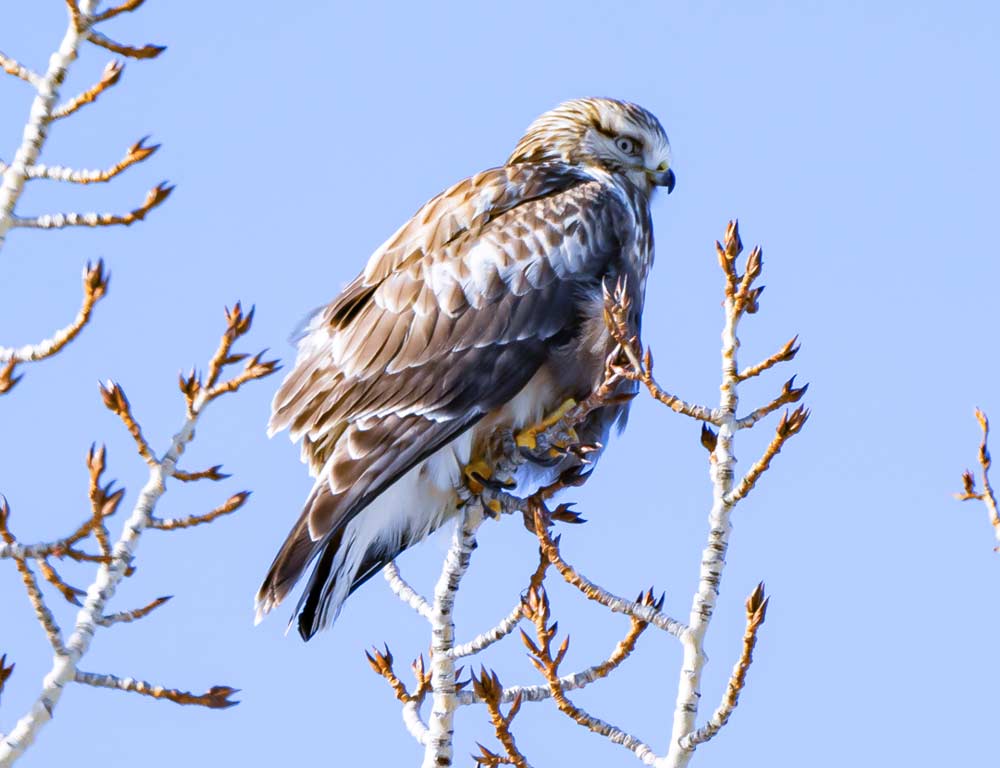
856,143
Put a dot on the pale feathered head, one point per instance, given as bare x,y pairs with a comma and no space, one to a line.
614,136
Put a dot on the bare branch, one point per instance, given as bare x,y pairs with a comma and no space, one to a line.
988,497
110,13
784,354
584,677
109,77
42,612
616,310
216,697
536,607
740,299
509,623
404,591
107,578
70,593
135,154
147,51
125,617
12,67
789,394
230,505
791,424
39,115
438,748
649,613
154,197
212,473
5,671
381,664
115,401
756,610
488,688
95,287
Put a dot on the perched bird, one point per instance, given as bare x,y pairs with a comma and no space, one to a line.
483,311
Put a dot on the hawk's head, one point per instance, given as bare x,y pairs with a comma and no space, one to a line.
615,136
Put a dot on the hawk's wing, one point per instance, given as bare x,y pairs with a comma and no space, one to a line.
450,319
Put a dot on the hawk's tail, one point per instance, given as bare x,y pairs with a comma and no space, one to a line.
344,560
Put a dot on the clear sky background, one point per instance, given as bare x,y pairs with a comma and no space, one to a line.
855,141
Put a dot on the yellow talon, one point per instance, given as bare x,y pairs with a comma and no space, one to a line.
475,473
494,504
528,437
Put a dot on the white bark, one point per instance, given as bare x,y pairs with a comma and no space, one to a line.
713,558
64,666
40,115
438,751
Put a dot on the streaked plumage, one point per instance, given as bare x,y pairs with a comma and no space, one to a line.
482,311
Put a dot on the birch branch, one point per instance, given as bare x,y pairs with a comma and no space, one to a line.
713,557
740,298
404,591
110,76
756,606
488,688
12,67
154,197
110,573
537,609
576,680
216,697
126,617
40,115
95,287
987,496
507,624
647,612
44,111
135,154
439,751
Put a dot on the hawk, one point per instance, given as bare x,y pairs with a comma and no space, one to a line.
482,312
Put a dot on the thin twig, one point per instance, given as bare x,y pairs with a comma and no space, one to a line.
107,578
791,424
95,287
111,74
217,697
39,116
489,689
786,353
646,612
147,51
12,67
125,617
404,591
115,401
756,606
508,623
154,197
540,650
133,155
575,680
229,506
988,497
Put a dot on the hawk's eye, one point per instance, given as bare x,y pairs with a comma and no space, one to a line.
627,145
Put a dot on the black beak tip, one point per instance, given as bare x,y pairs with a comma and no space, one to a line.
669,180
664,179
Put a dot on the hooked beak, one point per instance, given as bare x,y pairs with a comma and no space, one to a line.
664,179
